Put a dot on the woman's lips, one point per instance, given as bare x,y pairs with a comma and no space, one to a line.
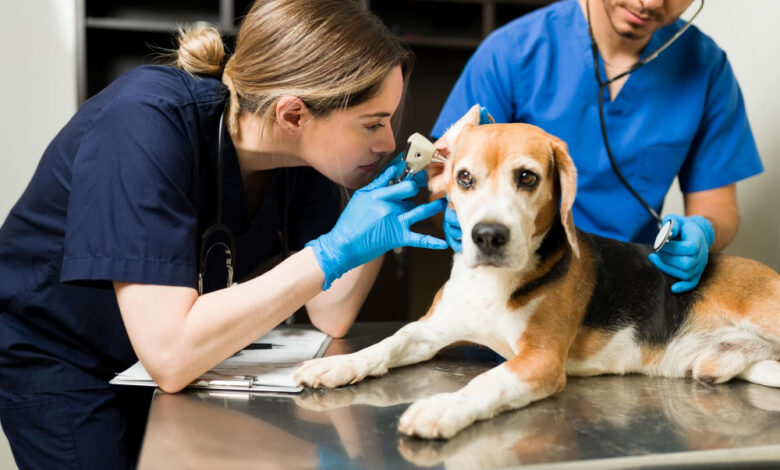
368,168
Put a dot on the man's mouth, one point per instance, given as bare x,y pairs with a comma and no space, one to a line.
639,19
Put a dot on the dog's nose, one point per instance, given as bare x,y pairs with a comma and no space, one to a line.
489,236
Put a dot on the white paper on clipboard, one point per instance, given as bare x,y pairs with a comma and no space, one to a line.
261,370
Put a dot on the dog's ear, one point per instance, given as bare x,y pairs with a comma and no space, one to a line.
439,173
567,177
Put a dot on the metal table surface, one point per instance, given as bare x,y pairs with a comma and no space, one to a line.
596,422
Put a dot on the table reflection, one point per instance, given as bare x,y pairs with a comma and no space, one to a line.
355,427
595,417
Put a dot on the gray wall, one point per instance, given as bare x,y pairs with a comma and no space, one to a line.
39,79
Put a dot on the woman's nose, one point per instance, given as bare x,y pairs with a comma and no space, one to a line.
385,143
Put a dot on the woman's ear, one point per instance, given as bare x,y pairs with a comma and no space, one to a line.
291,113
439,173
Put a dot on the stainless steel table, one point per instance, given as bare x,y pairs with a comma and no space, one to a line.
598,422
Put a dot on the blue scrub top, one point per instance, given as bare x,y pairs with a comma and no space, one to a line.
680,115
123,193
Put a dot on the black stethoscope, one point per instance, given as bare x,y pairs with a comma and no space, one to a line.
219,227
665,230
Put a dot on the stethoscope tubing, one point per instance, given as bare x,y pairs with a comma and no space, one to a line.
604,83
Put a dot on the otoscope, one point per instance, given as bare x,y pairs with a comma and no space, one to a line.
418,154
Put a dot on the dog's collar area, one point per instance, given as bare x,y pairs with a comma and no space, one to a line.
554,243
553,239
554,273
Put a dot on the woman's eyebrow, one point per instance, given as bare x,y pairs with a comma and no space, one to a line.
379,114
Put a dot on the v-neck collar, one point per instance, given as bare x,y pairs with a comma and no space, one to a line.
234,197
632,85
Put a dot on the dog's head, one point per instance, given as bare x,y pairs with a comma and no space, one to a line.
506,182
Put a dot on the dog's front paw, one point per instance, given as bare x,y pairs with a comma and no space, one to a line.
438,417
329,372
422,453
323,400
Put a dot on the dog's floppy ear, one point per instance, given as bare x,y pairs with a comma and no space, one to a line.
567,177
439,173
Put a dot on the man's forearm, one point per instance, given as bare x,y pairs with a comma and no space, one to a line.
719,206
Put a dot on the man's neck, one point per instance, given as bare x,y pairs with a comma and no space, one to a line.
616,50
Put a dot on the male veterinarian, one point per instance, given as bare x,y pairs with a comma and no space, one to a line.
681,114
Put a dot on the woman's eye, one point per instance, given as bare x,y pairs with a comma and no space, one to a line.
526,179
465,180
375,126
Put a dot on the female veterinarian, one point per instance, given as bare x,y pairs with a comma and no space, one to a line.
171,168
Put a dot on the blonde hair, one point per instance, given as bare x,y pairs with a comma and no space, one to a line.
329,53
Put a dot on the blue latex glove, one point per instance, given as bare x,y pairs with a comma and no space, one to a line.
452,232
685,256
451,226
376,219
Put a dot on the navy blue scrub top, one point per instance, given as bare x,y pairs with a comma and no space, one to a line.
123,193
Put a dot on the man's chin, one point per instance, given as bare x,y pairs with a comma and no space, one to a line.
633,32
634,35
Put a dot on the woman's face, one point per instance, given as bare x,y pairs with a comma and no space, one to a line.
346,145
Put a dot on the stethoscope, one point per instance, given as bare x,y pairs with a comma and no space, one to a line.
664,229
219,227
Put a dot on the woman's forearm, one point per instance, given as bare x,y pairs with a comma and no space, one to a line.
178,336
334,311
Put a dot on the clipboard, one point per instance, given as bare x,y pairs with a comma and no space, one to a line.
266,365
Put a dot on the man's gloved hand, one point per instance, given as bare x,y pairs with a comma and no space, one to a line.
376,219
452,231
685,258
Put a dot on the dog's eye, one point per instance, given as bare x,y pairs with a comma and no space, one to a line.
526,179
465,180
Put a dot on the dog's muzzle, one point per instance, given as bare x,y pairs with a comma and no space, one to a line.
490,238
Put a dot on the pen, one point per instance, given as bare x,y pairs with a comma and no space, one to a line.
234,383
263,346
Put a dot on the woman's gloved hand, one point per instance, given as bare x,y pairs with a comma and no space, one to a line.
685,255
452,231
421,177
376,219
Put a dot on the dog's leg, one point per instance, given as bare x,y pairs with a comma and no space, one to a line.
530,376
766,372
415,342
738,353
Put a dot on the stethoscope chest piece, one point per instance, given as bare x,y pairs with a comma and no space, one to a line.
663,237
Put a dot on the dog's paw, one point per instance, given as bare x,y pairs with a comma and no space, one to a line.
421,453
438,417
329,372
323,400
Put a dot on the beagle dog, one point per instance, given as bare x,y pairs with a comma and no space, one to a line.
554,300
